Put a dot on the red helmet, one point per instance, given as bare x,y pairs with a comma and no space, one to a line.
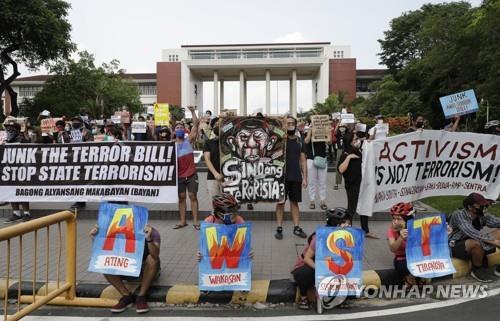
224,203
403,209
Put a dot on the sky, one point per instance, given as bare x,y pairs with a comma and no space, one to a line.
135,32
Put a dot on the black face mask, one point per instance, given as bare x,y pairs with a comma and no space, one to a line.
419,124
76,125
479,211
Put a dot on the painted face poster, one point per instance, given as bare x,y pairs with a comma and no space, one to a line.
427,251
161,114
225,252
409,167
119,244
339,261
253,158
458,104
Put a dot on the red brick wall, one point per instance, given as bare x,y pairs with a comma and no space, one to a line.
168,82
343,77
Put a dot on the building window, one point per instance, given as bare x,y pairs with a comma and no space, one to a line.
29,91
147,89
173,58
338,54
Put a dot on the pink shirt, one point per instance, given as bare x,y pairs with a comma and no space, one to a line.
300,259
394,235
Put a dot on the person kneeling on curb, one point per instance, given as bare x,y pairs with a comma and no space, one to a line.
150,270
304,270
468,242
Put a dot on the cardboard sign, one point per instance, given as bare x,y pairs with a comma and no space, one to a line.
119,244
347,118
48,125
336,116
382,128
139,127
225,257
339,261
161,114
257,172
427,250
321,128
458,104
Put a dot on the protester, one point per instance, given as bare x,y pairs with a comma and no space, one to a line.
341,131
349,166
78,132
417,123
211,154
453,124
62,135
467,241
150,270
45,138
317,170
187,177
164,134
14,136
373,133
295,180
143,137
304,270
397,234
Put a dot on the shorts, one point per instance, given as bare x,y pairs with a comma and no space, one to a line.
459,251
401,267
293,191
190,183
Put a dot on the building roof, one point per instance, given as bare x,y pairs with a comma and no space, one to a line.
140,76
260,44
371,72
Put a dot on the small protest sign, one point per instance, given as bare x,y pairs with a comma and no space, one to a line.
139,127
118,247
458,104
321,128
225,257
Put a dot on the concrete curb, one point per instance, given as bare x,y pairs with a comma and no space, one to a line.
269,291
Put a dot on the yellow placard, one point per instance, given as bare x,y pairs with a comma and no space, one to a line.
161,114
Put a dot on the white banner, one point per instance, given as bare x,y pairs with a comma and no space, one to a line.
412,166
143,172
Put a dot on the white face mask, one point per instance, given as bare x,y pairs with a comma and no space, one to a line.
380,121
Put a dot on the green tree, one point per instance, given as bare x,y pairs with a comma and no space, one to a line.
333,103
80,85
34,33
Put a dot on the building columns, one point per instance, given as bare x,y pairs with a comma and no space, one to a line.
221,94
293,93
216,93
268,93
243,94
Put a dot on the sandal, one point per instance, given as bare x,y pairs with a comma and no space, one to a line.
196,226
312,206
323,206
179,225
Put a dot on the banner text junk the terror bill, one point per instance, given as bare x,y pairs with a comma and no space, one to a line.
133,171
428,163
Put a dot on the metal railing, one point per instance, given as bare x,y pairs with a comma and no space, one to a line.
36,300
221,54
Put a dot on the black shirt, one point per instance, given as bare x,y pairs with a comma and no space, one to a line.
212,146
319,149
293,149
352,176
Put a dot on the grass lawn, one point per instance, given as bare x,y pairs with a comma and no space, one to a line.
448,204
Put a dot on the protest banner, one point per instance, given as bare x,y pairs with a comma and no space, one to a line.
161,114
143,172
321,128
347,119
225,257
253,158
458,104
412,166
339,252
427,249
118,247
139,127
48,125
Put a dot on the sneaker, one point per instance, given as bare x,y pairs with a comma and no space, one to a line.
27,217
481,275
13,218
299,232
249,206
303,304
279,233
123,304
496,270
141,305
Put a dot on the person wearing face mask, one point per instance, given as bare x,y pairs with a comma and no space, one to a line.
295,180
211,155
467,240
164,134
349,166
14,136
377,134
340,132
142,137
187,179
78,131
417,124
62,135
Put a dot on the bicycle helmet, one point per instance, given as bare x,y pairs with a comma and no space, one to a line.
405,210
336,216
225,207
